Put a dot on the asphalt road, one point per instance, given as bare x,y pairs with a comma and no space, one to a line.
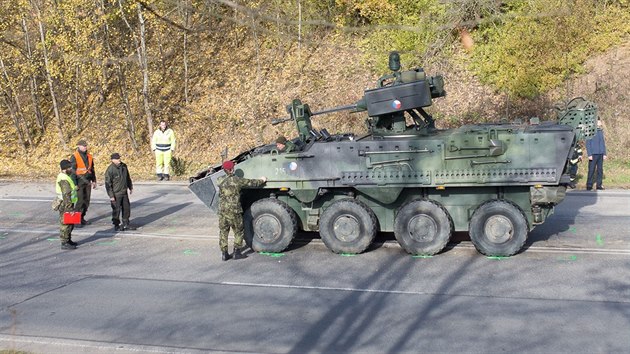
163,287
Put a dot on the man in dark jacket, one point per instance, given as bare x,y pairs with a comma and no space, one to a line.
117,182
596,151
84,178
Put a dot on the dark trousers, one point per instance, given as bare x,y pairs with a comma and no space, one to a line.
121,203
65,231
595,171
84,192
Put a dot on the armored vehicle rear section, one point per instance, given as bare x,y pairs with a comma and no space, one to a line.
496,181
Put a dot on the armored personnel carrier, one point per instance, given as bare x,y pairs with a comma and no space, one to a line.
497,180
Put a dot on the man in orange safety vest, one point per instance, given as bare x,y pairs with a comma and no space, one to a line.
84,178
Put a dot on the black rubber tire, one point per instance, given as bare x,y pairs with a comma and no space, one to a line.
423,227
270,225
348,226
498,228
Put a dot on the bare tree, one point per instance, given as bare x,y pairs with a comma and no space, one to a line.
142,60
10,98
49,79
39,117
145,72
122,85
186,23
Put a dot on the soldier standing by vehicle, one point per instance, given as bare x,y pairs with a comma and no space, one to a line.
284,145
84,177
117,182
230,209
67,195
163,143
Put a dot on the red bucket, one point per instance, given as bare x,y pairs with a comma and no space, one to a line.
72,217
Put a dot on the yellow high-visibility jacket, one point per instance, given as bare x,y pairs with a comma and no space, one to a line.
163,140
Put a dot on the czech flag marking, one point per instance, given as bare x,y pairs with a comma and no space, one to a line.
396,104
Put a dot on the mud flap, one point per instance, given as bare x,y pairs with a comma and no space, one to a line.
207,190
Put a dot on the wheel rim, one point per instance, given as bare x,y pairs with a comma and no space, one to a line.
499,229
422,228
267,228
347,228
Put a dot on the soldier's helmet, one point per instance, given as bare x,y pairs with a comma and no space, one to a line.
281,140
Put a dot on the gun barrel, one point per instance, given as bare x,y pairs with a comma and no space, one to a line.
336,109
280,120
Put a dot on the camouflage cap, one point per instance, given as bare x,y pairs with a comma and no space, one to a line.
281,140
82,142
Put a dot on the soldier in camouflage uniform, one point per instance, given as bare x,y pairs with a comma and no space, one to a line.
284,145
230,209
67,194
576,157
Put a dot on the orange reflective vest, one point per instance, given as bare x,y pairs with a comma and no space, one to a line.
81,168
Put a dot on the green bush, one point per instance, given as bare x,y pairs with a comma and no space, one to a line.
179,166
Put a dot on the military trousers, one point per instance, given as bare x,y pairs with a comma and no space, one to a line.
65,231
235,222
84,193
162,161
121,204
573,170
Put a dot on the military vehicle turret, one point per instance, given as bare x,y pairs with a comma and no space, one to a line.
495,180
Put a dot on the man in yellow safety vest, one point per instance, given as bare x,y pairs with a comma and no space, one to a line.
67,194
163,144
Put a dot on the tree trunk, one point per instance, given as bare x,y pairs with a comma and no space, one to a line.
131,128
77,104
122,85
16,120
50,80
33,85
141,51
145,73
186,23
15,112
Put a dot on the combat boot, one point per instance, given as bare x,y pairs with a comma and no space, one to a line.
167,177
160,177
238,254
68,246
225,255
72,243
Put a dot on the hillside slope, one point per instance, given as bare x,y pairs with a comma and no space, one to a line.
235,102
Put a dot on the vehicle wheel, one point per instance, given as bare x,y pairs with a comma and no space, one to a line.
347,226
270,225
423,227
498,228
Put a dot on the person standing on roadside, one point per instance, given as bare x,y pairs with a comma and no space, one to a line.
163,144
117,183
67,194
230,209
84,178
596,151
